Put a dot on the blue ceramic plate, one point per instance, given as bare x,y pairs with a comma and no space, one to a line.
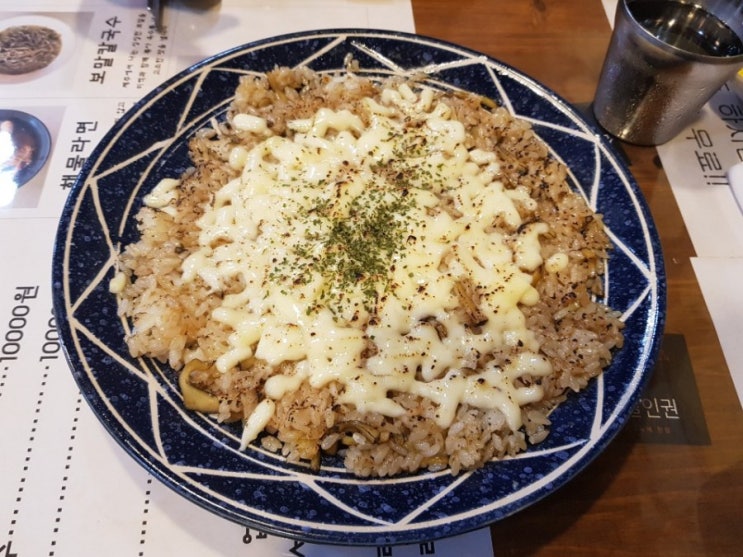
137,399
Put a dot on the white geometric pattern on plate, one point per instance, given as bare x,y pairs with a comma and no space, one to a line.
138,401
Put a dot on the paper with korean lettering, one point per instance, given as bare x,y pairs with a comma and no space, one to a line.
67,488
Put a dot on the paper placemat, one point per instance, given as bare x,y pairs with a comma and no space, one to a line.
67,487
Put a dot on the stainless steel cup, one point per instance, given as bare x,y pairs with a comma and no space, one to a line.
665,60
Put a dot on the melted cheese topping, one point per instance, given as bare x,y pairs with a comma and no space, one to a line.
163,196
350,238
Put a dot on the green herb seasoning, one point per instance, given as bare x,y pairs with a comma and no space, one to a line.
357,245
358,221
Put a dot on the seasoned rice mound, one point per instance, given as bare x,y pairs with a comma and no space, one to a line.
173,318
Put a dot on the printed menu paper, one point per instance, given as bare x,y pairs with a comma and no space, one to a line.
67,487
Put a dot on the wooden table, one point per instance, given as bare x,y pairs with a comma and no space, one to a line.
638,498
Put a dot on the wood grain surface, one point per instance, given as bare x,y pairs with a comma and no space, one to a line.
639,497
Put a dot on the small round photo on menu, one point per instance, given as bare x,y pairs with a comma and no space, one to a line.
25,144
32,46
27,48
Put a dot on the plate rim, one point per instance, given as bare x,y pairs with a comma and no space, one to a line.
396,537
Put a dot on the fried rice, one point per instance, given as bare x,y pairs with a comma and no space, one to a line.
172,315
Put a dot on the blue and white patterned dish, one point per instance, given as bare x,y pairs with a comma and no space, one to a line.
137,400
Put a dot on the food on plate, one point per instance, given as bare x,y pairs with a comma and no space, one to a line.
27,48
374,269
17,147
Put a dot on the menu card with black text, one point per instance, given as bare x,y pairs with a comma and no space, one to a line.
66,486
